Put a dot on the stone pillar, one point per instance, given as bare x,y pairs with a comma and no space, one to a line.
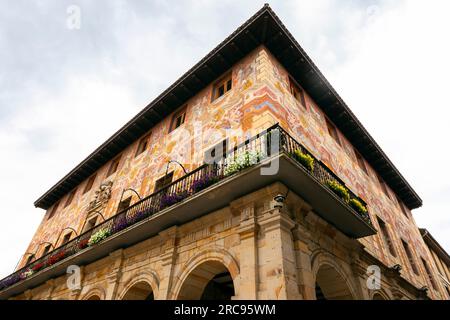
278,257
248,252
361,276
168,254
28,295
114,276
306,278
51,286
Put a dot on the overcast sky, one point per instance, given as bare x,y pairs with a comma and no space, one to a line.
64,91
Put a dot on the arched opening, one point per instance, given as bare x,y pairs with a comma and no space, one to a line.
330,285
94,297
210,280
378,296
139,291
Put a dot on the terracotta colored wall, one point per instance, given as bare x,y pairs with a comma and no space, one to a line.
308,126
259,98
141,172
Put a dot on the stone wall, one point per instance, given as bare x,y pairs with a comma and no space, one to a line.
271,253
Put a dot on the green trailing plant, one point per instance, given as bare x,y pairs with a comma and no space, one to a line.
98,236
339,190
243,161
358,206
28,273
305,159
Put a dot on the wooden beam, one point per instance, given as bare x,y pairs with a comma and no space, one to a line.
187,90
236,48
251,36
264,28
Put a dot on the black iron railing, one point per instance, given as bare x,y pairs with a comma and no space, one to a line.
262,146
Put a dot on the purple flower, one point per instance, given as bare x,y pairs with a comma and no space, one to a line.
137,217
170,199
204,182
13,279
120,224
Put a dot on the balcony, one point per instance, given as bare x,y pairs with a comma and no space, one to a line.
208,188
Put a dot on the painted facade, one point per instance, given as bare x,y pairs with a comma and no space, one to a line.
274,254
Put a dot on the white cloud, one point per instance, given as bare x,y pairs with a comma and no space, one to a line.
396,83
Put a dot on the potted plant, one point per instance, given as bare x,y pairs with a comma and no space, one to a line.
339,190
204,182
56,257
138,216
358,206
304,159
83,244
120,223
26,274
38,266
243,161
13,279
98,236
168,200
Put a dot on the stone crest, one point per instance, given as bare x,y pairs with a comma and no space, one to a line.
102,196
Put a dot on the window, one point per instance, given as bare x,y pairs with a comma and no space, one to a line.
361,162
178,119
298,93
333,131
53,211
384,187
386,237
89,183
124,204
222,86
29,259
402,206
90,224
70,198
408,252
428,271
143,144
217,152
164,181
114,166
66,238
46,249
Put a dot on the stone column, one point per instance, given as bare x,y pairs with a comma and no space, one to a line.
28,295
361,276
114,276
277,256
51,286
306,281
168,254
248,252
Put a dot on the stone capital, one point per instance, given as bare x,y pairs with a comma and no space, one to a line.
275,219
28,294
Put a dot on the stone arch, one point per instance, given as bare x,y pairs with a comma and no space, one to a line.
380,295
201,268
96,293
331,279
140,287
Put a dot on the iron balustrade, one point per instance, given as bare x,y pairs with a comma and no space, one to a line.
271,142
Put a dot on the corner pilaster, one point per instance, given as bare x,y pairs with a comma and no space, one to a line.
168,255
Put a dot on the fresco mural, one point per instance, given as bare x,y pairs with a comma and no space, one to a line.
259,98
